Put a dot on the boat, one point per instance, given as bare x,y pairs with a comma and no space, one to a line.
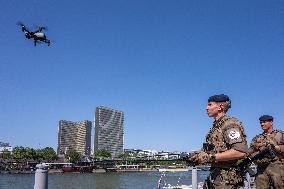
173,170
199,186
77,169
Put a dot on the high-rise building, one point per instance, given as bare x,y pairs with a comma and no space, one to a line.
74,135
109,130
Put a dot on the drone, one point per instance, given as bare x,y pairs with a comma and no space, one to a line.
37,36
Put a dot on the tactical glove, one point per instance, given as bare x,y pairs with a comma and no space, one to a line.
200,158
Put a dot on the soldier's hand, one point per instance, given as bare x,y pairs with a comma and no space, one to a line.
203,157
272,141
200,157
277,148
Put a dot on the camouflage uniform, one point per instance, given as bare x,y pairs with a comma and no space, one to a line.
269,170
226,133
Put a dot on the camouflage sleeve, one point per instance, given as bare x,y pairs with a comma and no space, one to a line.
253,142
282,148
253,146
235,138
279,140
281,144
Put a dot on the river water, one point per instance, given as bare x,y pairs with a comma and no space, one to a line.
115,180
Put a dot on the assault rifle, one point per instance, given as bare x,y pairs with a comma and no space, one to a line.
268,152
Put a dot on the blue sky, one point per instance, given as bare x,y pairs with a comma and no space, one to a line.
158,61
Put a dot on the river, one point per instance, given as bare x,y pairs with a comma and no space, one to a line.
115,180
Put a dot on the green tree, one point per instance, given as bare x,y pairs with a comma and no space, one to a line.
6,154
47,153
102,153
124,155
30,153
73,156
20,152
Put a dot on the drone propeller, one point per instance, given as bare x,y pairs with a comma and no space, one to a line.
44,28
40,28
24,28
51,41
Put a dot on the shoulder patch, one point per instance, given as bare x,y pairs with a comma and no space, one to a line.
233,134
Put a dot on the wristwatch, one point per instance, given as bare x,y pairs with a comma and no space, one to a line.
212,157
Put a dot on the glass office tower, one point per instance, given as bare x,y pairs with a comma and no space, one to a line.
109,130
75,135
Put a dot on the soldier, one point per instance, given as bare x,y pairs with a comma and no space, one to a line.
225,145
270,170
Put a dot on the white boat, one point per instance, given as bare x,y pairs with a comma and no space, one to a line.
173,169
200,186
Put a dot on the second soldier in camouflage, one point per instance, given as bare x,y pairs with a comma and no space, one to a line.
270,170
